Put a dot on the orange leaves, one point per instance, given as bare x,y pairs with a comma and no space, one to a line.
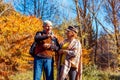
16,34
86,56
59,37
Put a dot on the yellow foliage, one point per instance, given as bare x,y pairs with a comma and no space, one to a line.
17,34
86,56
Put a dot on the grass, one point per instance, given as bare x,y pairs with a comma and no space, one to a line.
28,75
89,73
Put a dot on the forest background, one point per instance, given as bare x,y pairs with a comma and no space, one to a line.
98,23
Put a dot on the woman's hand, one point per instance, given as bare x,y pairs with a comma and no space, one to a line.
62,51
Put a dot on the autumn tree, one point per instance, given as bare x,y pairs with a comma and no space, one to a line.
111,32
5,8
106,57
17,33
112,8
86,11
85,19
43,9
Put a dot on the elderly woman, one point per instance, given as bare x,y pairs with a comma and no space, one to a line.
70,55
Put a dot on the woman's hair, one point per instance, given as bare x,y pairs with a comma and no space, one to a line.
74,34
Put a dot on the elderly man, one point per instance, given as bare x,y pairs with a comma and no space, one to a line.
44,51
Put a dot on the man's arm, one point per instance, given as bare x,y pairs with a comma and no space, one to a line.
39,37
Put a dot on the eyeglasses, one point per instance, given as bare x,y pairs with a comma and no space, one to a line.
46,26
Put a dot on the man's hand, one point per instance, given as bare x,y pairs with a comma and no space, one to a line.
51,35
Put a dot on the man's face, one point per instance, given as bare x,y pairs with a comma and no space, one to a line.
47,28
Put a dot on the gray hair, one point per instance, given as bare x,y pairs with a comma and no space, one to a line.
47,22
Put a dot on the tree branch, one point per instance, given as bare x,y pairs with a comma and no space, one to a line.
5,10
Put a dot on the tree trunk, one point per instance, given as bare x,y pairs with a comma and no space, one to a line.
34,7
24,6
78,19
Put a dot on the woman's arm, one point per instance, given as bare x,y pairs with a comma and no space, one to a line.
72,52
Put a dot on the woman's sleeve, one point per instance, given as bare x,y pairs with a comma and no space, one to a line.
74,51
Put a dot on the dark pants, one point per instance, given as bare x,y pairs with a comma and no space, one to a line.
72,73
39,64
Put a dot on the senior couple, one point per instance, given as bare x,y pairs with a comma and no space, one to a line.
68,52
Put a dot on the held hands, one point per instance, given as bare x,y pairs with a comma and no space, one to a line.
47,46
50,46
62,51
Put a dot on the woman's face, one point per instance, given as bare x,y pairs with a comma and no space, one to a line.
69,34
